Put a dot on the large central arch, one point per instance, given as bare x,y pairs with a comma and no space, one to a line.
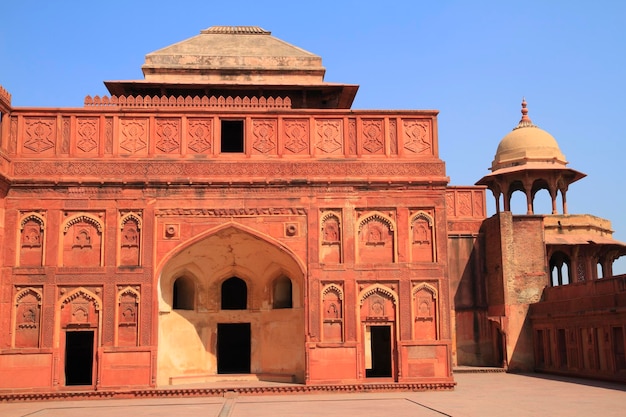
193,323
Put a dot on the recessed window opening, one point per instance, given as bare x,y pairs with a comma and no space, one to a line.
183,294
282,293
234,294
232,136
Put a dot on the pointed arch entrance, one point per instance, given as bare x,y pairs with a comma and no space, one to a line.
231,324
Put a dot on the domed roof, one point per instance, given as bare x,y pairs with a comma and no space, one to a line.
527,144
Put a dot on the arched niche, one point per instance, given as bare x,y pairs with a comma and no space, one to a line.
27,318
130,226
425,312
82,237
127,317
332,313
422,237
376,238
31,239
330,247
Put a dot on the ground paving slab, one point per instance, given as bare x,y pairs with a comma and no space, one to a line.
476,395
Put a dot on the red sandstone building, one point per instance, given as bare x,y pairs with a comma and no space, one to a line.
230,216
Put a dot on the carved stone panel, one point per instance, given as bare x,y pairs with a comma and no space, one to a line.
31,239
296,133
417,138
82,241
168,135
127,317
130,239
199,135
87,139
373,137
329,136
80,308
27,318
264,136
376,239
422,245
425,308
133,136
40,135
330,247
332,305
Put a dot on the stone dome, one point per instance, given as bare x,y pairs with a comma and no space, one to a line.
527,144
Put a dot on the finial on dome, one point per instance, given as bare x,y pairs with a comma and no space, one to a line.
525,121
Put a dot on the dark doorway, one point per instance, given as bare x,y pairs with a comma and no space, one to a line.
381,352
79,357
233,348
234,294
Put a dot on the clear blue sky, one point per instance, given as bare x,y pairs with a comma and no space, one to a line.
471,60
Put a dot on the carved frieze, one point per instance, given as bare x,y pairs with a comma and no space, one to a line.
232,212
244,170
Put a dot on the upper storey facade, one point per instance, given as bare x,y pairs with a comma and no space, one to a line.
230,94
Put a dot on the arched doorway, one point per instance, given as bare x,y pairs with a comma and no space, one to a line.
234,326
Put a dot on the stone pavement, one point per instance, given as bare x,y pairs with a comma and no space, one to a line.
476,395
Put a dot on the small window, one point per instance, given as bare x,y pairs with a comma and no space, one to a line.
232,136
234,294
282,293
184,294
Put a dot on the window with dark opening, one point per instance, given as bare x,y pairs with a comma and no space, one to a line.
232,136
184,294
282,293
234,294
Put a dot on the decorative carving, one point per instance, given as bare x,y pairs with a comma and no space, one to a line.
127,317
264,132
378,303
27,318
108,134
83,246
65,143
376,239
134,134
130,238
393,136
180,101
168,131
416,136
40,134
329,134
422,237
352,136
199,135
373,140
332,313
425,308
13,135
233,212
31,239
464,200
224,170
297,133
87,129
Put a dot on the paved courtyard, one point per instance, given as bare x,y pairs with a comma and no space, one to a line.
476,395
